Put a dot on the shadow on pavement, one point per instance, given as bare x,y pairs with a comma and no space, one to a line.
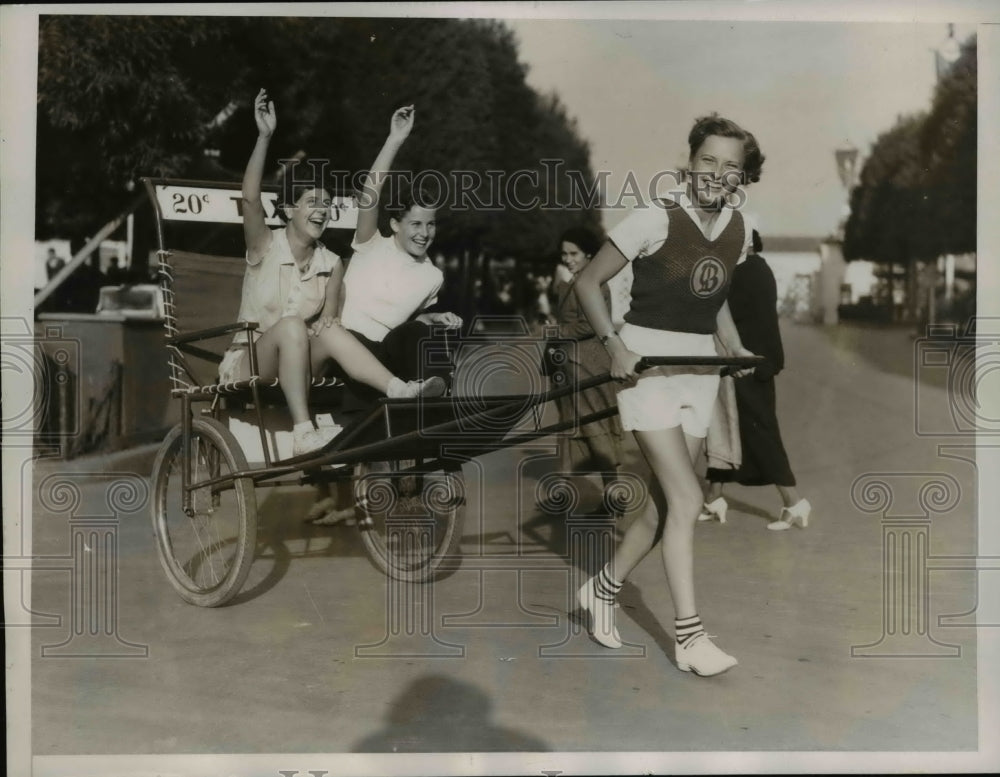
631,601
746,508
284,536
439,714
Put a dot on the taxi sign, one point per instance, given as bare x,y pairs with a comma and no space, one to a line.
225,206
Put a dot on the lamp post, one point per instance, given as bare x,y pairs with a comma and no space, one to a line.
847,168
946,54
830,277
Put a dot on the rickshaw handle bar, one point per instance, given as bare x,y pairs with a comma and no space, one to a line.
343,456
698,361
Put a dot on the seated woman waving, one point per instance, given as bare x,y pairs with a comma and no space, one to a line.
292,290
390,281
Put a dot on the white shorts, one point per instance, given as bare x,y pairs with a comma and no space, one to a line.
664,401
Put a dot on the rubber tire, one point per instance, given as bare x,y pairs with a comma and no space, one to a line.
446,557
218,437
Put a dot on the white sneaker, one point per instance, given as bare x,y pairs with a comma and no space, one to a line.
798,513
715,509
700,655
432,387
313,439
602,615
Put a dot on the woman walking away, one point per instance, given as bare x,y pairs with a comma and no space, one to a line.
683,251
753,302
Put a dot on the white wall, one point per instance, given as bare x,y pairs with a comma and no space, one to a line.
786,265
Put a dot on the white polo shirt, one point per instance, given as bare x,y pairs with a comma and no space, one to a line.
644,230
384,286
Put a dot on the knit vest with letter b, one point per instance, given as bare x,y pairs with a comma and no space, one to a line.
681,286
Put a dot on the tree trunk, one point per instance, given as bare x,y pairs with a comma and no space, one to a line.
911,291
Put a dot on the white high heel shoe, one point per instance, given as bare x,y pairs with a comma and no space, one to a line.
798,513
715,509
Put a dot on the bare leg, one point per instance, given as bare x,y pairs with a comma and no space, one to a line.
789,495
714,491
335,342
565,455
638,539
283,353
670,453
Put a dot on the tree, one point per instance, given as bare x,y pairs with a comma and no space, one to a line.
887,206
916,198
948,146
123,97
120,97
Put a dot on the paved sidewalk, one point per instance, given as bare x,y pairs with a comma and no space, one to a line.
310,658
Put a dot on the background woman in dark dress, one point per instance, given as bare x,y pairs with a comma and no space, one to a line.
595,447
753,303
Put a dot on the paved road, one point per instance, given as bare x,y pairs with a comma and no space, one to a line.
309,658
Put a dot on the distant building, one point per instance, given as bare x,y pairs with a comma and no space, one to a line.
806,289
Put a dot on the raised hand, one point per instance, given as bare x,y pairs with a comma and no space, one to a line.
401,124
264,114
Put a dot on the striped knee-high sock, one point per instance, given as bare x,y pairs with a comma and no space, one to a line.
686,628
606,588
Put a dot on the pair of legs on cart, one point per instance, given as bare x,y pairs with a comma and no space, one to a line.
297,352
418,354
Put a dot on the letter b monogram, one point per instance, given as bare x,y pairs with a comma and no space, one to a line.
707,277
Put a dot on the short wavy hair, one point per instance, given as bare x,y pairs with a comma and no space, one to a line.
582,238
706,126
407,193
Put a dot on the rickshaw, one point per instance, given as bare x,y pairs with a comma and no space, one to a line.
403,457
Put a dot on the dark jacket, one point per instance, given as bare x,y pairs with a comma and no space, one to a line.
753,302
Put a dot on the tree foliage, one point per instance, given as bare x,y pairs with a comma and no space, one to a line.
888,204
916,198
948,146
121,97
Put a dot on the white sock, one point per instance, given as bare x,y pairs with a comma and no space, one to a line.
396,388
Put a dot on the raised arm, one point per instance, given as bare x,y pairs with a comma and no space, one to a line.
255,229
371,187
606,263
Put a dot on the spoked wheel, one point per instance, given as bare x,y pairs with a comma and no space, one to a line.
208,551
411,524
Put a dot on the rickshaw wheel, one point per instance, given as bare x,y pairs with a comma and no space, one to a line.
410,524
207,555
